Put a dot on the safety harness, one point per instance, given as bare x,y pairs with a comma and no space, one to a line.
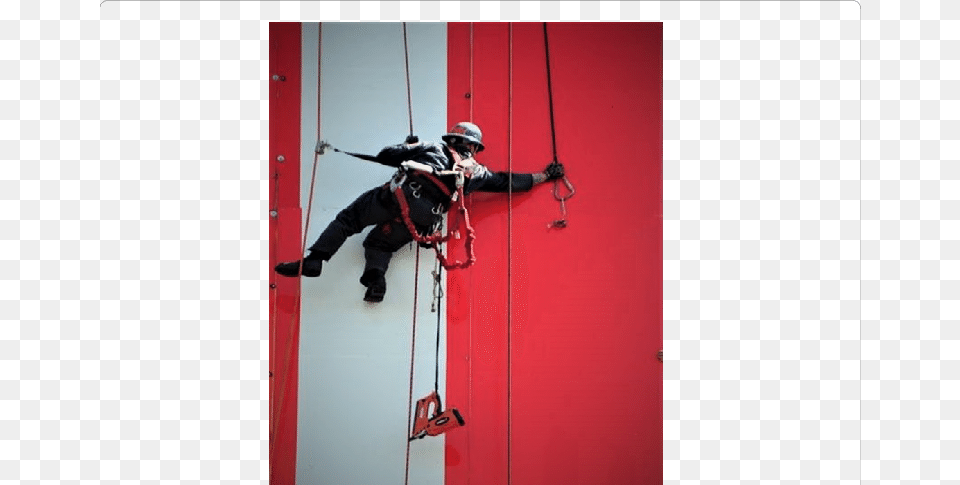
457,198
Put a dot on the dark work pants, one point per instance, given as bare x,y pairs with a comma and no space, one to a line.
376,207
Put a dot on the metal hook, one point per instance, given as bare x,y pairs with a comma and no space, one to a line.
322,147
556,189
562,222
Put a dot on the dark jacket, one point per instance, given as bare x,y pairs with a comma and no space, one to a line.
439,157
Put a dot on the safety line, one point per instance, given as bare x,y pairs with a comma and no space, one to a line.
472,94
294,317
470,303
273,289
437,280
413,347
553,129
295,321
510,258
273,327
406,62
416,273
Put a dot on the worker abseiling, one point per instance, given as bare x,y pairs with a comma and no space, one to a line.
428,175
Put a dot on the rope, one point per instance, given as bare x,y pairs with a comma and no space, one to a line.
273,317
562,222
296,309
273,290
413,347
509,260
416,277
436,238
406,61
469,279
553,128
361,156
436,375
295,322
472,94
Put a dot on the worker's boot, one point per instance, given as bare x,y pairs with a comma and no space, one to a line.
376,284
312,266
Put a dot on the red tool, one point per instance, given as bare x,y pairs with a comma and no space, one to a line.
438,423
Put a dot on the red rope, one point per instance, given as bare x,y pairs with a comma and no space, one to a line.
436,238
287,360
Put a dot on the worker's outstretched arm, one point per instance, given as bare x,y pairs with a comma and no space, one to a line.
487,181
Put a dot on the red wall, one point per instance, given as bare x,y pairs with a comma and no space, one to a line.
285,245
553,334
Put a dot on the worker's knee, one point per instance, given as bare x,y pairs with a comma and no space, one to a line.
387,237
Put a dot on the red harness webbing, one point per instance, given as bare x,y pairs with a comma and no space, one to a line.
440,185
436,238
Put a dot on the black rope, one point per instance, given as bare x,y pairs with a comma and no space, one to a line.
436,377
553,128
369,158
406,61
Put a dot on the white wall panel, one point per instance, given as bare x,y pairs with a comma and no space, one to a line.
355,356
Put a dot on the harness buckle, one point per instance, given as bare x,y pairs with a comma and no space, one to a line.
398,179
415,189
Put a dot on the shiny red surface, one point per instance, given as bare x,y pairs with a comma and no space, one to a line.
285,244
553,334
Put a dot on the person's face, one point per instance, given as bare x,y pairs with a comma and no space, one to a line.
465,146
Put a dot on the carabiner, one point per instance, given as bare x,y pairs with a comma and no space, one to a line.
556,189
322,147
562,222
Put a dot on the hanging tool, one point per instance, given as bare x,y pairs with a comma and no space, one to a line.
431,419
438,422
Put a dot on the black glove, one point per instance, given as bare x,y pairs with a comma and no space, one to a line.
411,139
554,171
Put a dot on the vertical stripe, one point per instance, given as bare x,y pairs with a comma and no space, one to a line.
477,342
355,356
284,106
